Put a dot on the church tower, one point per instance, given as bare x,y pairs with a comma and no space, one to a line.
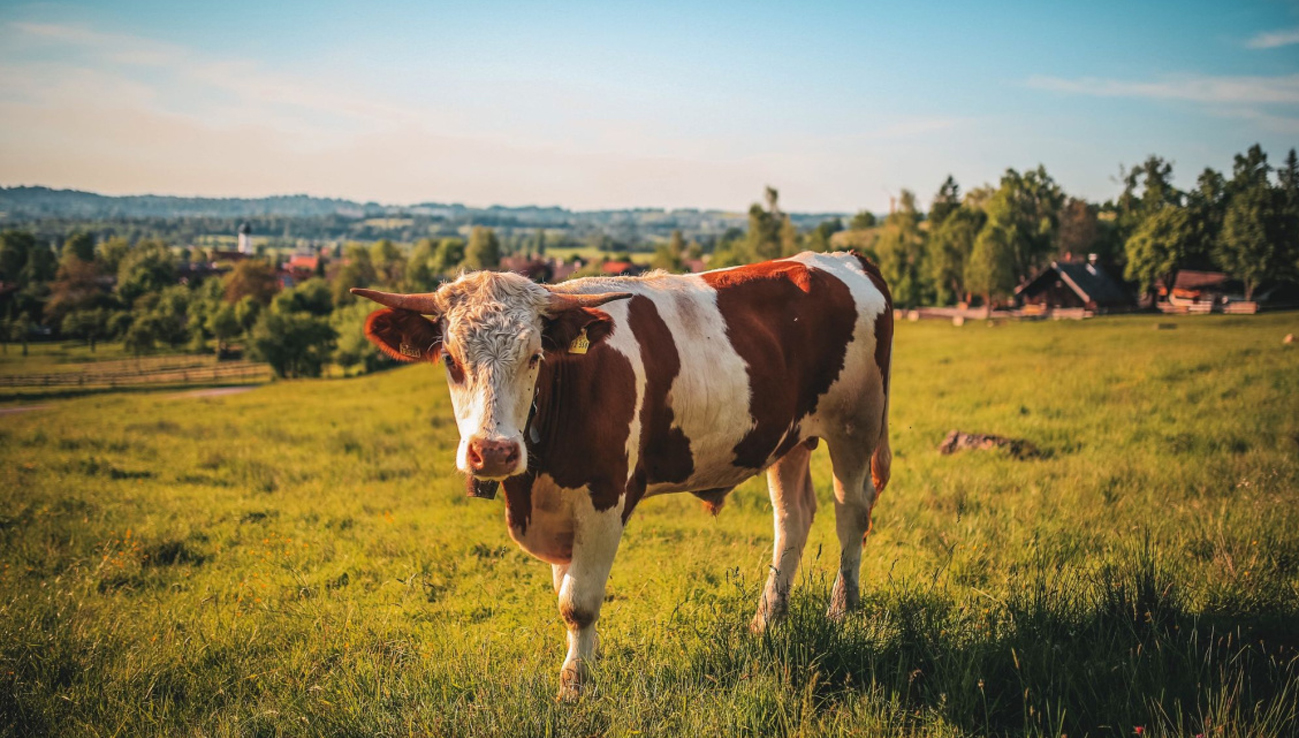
246,239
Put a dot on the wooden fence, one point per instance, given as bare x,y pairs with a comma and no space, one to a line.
178,372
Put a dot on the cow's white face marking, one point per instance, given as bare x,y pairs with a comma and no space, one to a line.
492,350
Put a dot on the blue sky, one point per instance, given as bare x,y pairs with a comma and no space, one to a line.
616,105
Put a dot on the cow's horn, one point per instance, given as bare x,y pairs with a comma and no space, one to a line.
561,301
424,303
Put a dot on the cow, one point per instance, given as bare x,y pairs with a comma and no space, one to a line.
582,399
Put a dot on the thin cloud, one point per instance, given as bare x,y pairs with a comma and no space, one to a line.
1274,39
1281,90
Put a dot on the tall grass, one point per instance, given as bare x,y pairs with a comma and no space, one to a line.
300,559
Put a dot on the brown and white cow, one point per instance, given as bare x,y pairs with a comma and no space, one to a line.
586,397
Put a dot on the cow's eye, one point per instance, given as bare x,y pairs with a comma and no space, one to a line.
534,361
453,369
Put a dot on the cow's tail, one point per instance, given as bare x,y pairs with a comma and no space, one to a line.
883,456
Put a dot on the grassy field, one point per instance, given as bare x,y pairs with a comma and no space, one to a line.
300,559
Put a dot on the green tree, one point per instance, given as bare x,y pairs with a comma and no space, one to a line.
1079,231
450,255
357,271
819,238
388,262
295,343
539,243
901,251
147,268
1159,248
353,349
1027,207
990,270
670,257
484,249
946,201
81,245
111,252
91,326
765,239
950,246
863,220
223,324
1252,247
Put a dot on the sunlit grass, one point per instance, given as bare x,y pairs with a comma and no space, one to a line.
301,559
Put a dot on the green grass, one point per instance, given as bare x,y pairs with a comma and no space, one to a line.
300,559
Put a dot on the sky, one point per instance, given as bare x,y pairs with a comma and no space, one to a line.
611,104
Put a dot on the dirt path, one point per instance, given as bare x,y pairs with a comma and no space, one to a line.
20,409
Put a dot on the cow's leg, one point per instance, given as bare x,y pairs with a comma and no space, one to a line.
793,504
557,575
854,495
581,589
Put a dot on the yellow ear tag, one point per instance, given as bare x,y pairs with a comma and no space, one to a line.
580,344
408,350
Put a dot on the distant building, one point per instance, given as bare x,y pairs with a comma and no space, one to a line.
1073,284
245,239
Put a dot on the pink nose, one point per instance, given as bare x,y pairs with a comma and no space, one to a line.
492,458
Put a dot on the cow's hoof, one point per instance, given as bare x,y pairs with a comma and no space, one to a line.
842,603
765,619
574,682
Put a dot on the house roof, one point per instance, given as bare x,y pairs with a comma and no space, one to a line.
1089,281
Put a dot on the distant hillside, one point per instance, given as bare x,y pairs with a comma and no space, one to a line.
24,204
29,203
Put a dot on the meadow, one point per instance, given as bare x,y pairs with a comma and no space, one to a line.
301,559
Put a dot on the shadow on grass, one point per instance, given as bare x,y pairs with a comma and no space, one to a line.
1101,652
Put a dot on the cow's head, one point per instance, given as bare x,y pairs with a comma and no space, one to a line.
492,331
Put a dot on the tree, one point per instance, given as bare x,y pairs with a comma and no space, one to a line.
670,256
14,249
765,239
946,201
539,244
950,245
1159,248
75,288
1252,247
1206,206
353,348
294,343
81,245
421,273
388,262
819,239
1079,230
863,220
484,249
312,296
223,324
90,326
450,255
357,271
1027,207
990,270
110,253
901,251
253,278
148,267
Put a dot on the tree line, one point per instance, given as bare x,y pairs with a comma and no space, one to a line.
972,246
980,245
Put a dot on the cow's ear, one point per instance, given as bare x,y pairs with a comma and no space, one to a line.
562,329
405,335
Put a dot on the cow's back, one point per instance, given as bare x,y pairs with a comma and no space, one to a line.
736,366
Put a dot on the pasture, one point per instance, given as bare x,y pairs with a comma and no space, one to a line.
300,559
